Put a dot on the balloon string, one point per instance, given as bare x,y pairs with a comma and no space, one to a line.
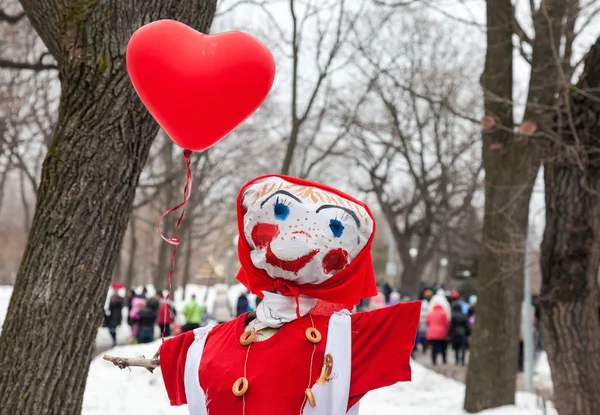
187,191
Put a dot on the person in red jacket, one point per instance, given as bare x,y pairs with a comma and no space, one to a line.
166,315
305,250
438,325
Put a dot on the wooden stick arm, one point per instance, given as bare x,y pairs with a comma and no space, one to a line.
140,361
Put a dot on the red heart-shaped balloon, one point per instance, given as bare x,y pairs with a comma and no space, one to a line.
198,87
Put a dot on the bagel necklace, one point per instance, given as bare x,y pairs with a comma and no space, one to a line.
240,386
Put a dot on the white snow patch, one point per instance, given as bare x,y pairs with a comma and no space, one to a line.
5,292
542,378
126,392
430,393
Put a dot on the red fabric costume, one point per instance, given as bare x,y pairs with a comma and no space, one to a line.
278,368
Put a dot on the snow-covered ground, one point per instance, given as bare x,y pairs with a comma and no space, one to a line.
5,292
115,392
123,392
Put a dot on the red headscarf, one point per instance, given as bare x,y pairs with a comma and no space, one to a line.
347,287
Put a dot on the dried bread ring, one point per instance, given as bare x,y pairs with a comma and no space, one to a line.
313,335
240,387
310,397
326,370
248,337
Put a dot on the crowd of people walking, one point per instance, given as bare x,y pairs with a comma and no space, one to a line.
447,320
143,313
149,317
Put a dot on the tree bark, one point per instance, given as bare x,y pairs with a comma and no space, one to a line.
129,277
116,272
189,249
165,250
24,201
291,147
570,253
511,162
99,146
411,279
492,367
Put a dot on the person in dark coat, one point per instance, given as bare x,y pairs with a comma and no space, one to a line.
114,316
460,330
147,320
130,296
387,291
242,304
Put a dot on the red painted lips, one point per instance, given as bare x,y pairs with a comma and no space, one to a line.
294,265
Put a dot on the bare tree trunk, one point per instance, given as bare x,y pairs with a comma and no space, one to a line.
24,201
99,146
511,163
492,370
571,249
116,272
291,148
411,279
165,250
129,276
410,282
189,249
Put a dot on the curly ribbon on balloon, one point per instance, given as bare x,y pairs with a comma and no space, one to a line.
187,192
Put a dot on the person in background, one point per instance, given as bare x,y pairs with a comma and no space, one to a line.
222,311
166,315
130,297
193,315
243,304
459,332
522,332
115,315
387,291
438,324
147,320
377,302
422,331
471,316
440,299
394,298
143,294
363,305
137,305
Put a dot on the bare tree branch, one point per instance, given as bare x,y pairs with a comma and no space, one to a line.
37,66
140,361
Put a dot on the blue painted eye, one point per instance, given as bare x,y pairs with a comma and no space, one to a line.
281,211
336,227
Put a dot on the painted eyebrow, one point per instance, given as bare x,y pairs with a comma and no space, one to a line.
348,211
283,192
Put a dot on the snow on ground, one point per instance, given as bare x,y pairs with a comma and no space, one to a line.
542,377
124,392
115,392
5,292
430,393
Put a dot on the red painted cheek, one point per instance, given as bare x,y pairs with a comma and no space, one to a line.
335,260
263,234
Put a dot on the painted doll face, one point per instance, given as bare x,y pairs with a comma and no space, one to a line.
301,233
